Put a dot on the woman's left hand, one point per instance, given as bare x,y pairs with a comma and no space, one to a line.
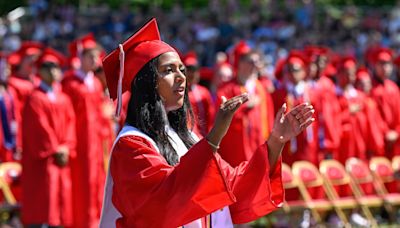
289,125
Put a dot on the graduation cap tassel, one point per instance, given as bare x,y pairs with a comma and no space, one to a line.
121,76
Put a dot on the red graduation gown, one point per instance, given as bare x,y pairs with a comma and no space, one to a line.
88,173
150,193
376,129
20,89
387,96
305,145
354,126
203,108
249,127
327,116
46,187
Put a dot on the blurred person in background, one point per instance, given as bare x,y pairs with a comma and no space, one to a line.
377,128
292,89
386,94
322,96
86,94
250,126
49,141
353,117
22,81
199,96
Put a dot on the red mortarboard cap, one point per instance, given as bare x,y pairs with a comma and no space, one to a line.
77,46
312,51
349,62
30,48
346,62
376,53
190,59
362,73
330,70
52,56
296,56
240,49
385,55
137,51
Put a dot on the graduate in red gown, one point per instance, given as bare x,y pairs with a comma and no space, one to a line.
159,176
199,96
86,94
268,85
49,141
323,98
377,127
292,89
353,113
250,126
23,80
387,95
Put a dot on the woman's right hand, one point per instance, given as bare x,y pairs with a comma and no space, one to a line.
224,117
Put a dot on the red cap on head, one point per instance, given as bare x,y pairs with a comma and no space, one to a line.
190,59
137,51
376,53
330,70
30,48
362,73
77,46
297,57
385,55
240,49
50,55
313,51
346,62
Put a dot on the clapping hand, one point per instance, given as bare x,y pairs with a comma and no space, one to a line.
289,125
224,117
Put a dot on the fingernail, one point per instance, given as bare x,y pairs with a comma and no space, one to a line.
312,110
312,119
284,105
307,103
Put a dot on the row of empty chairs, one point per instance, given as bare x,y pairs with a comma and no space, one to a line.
332,177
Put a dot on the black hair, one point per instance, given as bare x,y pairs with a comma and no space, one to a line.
147,113
48,65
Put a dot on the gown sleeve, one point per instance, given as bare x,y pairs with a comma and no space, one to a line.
257,190
150,193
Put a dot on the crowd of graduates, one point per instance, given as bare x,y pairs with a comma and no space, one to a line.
58,121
